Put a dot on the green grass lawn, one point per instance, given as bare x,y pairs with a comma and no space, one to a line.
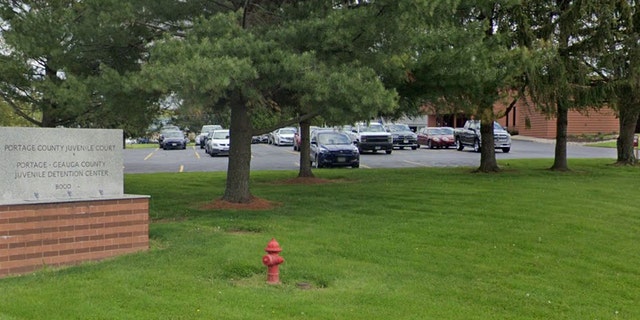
605,144
421,243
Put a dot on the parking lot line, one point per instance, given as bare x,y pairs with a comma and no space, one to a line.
150,154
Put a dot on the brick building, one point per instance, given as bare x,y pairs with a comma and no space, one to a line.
529,122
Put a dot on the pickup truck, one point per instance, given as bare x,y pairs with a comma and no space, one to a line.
373,137
402,136
469,136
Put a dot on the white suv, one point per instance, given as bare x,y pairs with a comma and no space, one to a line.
200,139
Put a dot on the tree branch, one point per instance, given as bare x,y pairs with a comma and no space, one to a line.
19,112
596,70
288,122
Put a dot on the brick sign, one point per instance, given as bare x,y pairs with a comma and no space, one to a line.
43,164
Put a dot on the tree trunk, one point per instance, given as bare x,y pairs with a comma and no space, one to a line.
48,120
560,158
239,167
628,114
305,160
488,161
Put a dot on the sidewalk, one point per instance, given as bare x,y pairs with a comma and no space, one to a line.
542,140
533,139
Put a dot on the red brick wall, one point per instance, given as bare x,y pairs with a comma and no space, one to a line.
33,236
593,121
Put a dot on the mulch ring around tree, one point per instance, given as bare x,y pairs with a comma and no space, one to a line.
259,203
305,180
254,204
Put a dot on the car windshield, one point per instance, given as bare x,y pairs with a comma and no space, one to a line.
373,128
333,138
173,134
220,135
399,127
440,131
448,131
497,126
170,128
287,131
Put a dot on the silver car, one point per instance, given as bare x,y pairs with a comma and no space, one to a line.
217,143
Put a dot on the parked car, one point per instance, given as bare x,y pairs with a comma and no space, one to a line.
170,127
217,143
297,139
263,138
372,136
470,136
436,137
283,136
173,140
331,148
402,136
143,140
204,132
166,129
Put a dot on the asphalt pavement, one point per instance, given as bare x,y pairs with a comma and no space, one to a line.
269,157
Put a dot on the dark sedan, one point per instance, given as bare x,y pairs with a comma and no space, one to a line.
436,137
330,148
174,140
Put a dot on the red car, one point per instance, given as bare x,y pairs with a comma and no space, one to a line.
436,137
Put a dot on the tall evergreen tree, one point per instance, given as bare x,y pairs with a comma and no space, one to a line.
256,58
613,56
468,57
69,60
562,80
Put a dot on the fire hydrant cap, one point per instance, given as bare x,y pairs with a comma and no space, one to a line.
273,246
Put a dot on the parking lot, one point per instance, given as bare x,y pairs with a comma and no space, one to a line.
270,157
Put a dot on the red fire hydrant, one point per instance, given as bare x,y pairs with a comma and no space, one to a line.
272,260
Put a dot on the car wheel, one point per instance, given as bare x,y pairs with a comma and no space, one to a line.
459,145
429,145
476,146
388,151
414,148
212,154
316,163
506,150
356,165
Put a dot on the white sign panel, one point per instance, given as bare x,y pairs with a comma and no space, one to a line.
43,164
